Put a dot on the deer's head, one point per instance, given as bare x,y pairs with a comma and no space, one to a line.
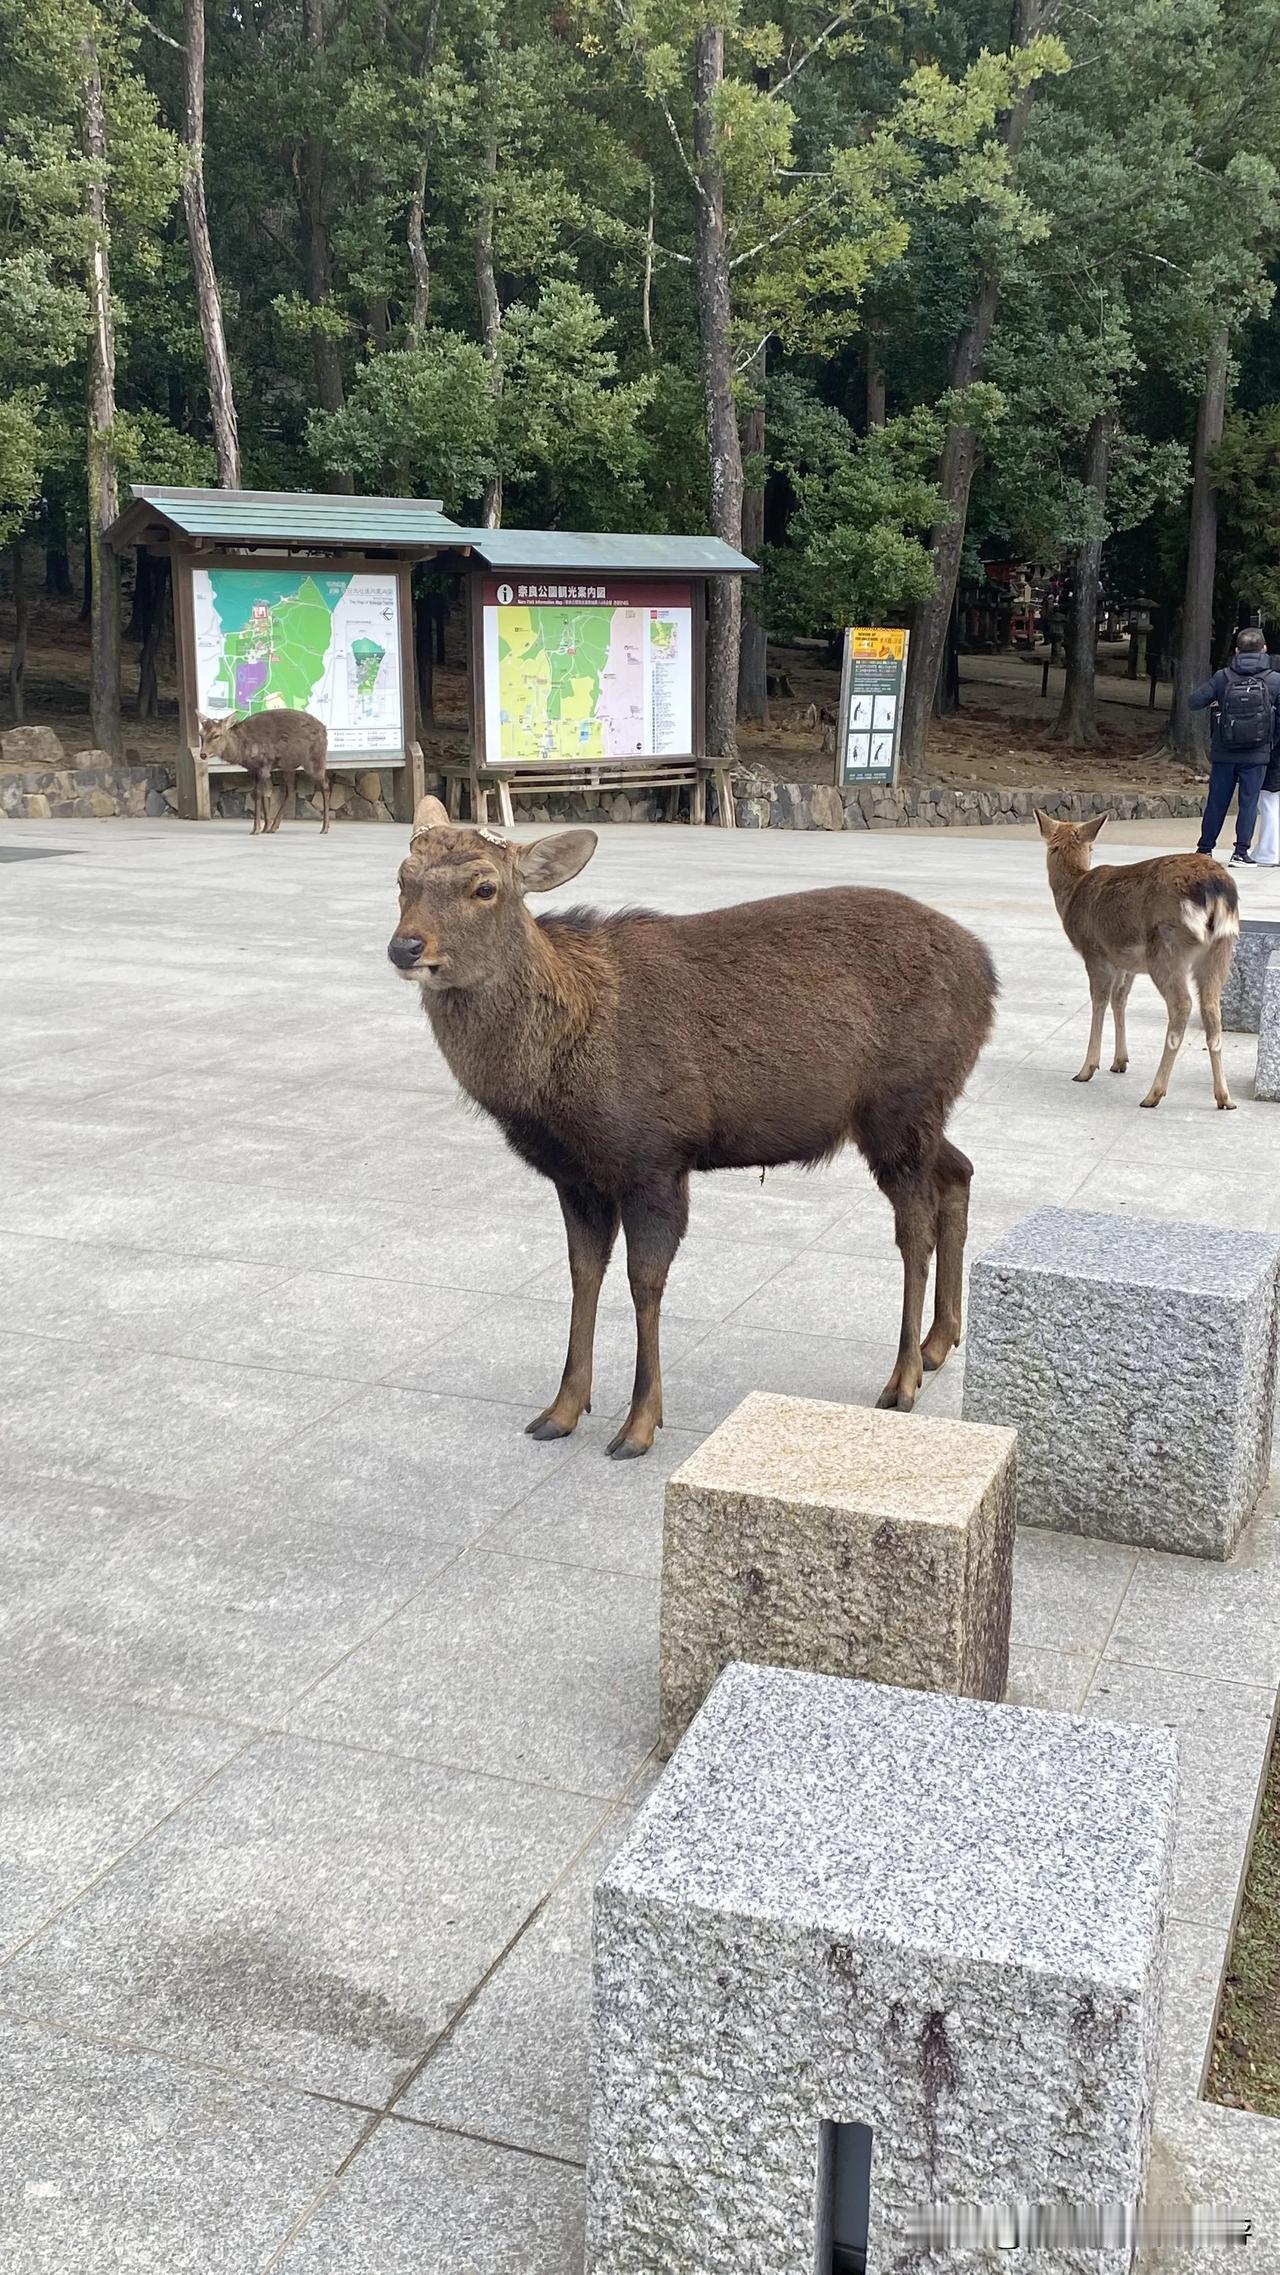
1070,844
213,734
462,915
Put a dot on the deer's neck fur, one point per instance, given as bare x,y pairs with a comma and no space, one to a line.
1067,872
510,1041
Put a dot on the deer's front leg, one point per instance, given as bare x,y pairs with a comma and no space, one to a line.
654,1220
1100,996
591,1222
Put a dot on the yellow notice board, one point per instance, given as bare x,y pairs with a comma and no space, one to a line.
871,689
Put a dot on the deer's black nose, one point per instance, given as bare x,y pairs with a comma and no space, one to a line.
405,950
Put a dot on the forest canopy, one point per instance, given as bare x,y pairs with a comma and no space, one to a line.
874,292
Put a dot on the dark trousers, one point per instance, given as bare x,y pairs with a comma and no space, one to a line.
1225,778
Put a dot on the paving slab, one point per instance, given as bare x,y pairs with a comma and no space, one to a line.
291,1922
119,2162
431,2202
82,1779
516,2067
222,1609
313,1917
544,1672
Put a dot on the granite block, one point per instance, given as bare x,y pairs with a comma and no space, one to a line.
938,1918
1136,1359
841,1540
1266,1083
1242,994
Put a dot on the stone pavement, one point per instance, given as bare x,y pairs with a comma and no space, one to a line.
325,1690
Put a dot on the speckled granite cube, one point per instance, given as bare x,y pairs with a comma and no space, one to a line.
1242,994
938,1918
1267,1079
1136,1359
841,1540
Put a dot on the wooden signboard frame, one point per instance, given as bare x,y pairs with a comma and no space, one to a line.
194,802
672,771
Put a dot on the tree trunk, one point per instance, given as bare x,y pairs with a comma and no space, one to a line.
959,456
1187,736
423,649
753,659
21,614
416,227
490,313
222,407
57,560
326,353
103,563
153,597
724,450
875,403
1077,720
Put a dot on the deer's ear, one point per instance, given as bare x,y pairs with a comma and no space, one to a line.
1089,830
429,814
1047,824
551,861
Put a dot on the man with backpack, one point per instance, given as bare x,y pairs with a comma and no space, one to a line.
1246,728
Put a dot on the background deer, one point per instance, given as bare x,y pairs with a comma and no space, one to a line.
287,743
619,1053
1177,919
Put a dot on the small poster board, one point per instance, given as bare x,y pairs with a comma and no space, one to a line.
586,669
871,690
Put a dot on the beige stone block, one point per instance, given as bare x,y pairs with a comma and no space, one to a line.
839,1540
36,806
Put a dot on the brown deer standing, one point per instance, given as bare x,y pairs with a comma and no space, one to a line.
287,743
618,1053
1177,919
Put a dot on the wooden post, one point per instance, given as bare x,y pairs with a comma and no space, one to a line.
194,804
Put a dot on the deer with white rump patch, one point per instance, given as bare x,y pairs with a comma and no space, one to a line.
1177,919
620,1053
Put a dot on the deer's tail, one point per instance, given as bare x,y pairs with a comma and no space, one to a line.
1211,908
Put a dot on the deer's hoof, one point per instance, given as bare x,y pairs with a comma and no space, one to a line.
1226,1105
546,1427
1086,1074
625,1449
1148,1102
1120,1066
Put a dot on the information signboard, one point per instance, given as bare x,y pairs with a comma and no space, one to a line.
581,669
320,640
871,689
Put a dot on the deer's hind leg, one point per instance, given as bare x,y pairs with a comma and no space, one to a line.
288,780
591,1223
326,801
1210,977
1120,987
1168,970
1101,983
952,1177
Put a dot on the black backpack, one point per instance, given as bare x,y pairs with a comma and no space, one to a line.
1244,715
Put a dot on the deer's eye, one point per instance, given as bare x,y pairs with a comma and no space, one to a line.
485,893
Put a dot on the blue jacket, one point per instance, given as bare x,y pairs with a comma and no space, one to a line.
1213,691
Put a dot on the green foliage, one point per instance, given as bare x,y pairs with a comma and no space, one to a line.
868,184
858,550
1247,472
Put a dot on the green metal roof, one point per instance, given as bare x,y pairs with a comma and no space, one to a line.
296,517
605,551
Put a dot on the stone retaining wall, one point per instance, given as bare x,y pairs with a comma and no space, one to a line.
38,782
762,803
